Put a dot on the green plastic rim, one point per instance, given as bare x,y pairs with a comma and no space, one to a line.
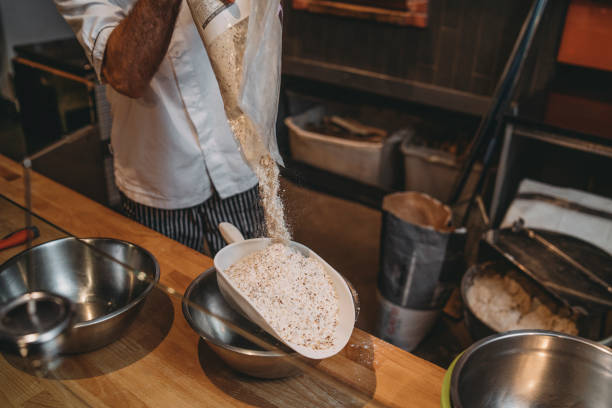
445,401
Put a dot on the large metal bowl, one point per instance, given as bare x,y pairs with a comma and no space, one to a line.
107,295
533,368
203,299
588,326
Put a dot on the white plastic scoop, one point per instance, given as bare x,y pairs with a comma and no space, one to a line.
238,248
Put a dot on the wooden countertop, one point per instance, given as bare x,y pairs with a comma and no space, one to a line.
162,362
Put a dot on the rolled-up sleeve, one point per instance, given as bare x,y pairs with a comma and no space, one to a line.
92,22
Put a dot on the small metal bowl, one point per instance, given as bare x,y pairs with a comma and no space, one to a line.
106,295
533,368
239,353
34,325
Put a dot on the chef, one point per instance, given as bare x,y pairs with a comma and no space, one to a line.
177,164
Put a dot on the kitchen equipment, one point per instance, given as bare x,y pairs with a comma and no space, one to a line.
479,329
419,250
54,84
34,326
240,248
446,384
488,133
545,260
401,326
19,237
586,272
569,211
533,368
420,256
203,298
106,279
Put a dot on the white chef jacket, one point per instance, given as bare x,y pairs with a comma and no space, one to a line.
172,145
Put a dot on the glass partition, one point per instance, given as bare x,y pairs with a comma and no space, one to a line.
147,332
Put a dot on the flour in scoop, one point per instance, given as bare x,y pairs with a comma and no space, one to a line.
291,292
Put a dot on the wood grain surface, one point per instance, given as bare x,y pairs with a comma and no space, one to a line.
587,35
409,13
160,361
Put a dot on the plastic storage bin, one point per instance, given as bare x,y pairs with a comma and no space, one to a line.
433,172
373,163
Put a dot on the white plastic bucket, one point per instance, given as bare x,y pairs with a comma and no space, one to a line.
403,327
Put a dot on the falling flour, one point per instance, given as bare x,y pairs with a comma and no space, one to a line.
291,292
226,55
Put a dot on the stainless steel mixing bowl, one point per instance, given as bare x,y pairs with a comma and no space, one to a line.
34,325
106,294
533,368
239,353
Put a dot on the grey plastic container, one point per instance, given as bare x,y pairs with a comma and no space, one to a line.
433,172
373,163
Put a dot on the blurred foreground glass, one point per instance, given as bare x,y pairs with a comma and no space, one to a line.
154,343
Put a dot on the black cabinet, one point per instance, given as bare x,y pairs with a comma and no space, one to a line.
61,100
54,85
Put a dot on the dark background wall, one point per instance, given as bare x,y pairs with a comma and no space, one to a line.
26,22
454,63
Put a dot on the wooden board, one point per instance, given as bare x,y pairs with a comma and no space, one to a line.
587,35
403,13
586,115
161,361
